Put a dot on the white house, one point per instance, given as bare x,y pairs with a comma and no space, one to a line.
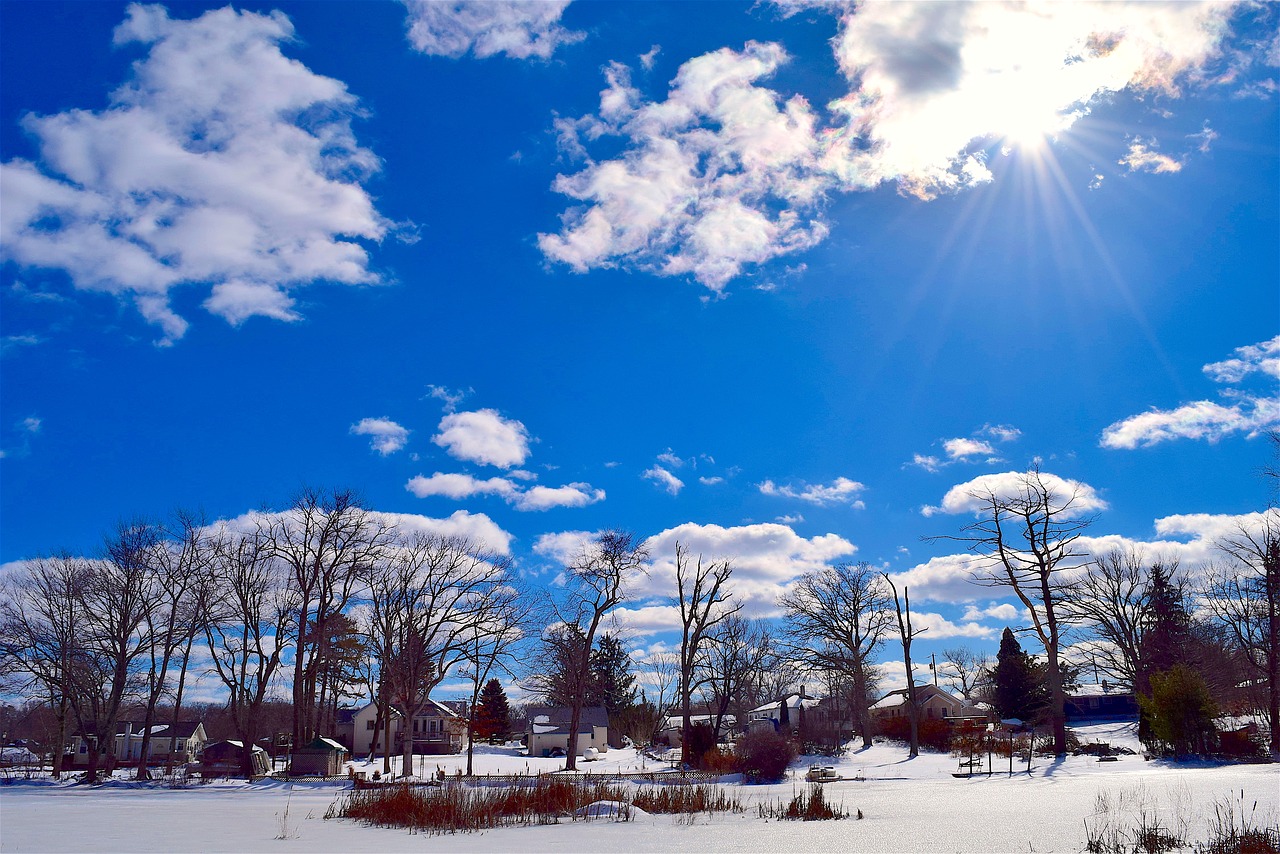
188,741
935,704
770,714
549,726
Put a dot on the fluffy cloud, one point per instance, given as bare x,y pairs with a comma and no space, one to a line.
1143,157
964,449
971,496
664,479
476,527
388,436
1244,411
765,557
940,627
519,28
462,486
842,490
484,437
726,174
949,578
221,162
720,175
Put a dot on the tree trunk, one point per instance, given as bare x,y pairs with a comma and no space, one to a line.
177,704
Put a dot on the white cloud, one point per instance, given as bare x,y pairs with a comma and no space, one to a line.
388,436
710,481
221,162
462,486
765,557
458,486
1003,611
1263,358
790,519
31,424
718,177
971,496
961,449
521,29
448,397
484,437
564,546
1245,412
664,479
569,495
939,627
1143,157
949,578
669,458
842,490
476,527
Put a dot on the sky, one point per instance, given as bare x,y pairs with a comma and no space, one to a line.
783,281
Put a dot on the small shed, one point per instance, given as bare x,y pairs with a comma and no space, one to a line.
323,757
227,757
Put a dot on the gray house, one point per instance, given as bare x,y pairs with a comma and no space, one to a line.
549,726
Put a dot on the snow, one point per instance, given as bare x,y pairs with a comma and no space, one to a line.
908,805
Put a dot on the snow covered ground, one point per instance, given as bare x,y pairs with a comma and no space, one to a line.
908,805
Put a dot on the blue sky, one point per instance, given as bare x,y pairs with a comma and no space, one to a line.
774,279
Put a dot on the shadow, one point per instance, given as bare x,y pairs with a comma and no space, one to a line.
1054,766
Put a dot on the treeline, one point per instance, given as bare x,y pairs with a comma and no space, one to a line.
328,601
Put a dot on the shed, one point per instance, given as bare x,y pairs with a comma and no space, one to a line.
226,757
323,757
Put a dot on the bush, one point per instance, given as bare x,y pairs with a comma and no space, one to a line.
763,756
717,761
805,806
702,738
1181,711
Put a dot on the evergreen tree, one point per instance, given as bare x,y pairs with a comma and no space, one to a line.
493,712
1017,682
612,684
1167,638
1180,712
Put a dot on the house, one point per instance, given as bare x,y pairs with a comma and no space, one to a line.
323,757
438,728
344,728
672,730
549,726
935,704
226,757
1106,701
365,740
770,714
188,739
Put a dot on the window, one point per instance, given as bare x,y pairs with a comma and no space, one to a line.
368,725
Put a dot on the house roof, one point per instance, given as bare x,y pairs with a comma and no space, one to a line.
794,701
436,709
923,693
183,729
346,716
554,720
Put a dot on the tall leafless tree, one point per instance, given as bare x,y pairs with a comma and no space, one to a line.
902,606
596,582
1112,601
449,588
324,538
1244,593
836,618
490,648
252,620
40,625
1027,534
737,653
704,602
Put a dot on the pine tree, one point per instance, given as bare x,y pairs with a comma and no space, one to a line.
612,684
1180,712
1017,682
493,713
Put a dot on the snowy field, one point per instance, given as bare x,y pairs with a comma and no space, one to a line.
914,805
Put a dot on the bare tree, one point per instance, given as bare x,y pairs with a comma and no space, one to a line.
1027,535
179,562
40,627
661,672
1245,596
324,538
966,669
704,603
596,583
116,599
907,635
1113,600
836,618
491,646
449,589
251,622
736,654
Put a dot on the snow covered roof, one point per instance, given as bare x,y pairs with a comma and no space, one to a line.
794,701
544,720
